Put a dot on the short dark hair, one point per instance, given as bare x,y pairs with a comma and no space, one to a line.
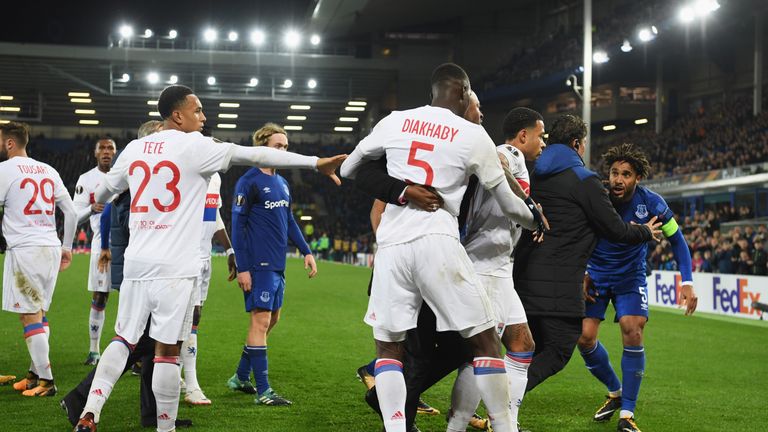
628,153
17,130
567,128
171,98
447,72
518,119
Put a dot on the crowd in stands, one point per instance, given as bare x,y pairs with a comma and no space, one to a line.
742,250
722,133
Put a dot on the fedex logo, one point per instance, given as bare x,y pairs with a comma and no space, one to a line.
269,205
668,294
737,300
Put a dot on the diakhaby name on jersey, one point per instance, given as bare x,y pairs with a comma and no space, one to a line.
429,129
32,169
276,204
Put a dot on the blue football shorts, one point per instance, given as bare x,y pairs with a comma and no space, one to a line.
267,289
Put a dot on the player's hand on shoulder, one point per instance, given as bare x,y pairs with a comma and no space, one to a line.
424,197
244,281
328,166
311,265
689,299
66,259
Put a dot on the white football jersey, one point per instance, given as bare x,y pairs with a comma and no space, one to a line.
84,197
430,146
167,173
212,205
491,237
29,191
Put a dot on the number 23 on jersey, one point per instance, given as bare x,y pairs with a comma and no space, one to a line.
142,168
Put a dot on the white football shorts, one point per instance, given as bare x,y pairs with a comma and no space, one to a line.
432,268
203,282
97,281
507,307
170,303
29,278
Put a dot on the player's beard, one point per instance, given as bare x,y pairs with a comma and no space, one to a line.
3,153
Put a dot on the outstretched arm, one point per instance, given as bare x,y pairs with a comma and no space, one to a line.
683,258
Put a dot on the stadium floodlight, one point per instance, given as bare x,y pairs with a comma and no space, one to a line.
85,111
287,83
229,105
10,109
292,39
226,126
154,113
300,107
173,34
126,31
258,37
151,102
705,7
210,35
77,95
315,40
349,119
609,127
173,79
211,80
227,115
153,78
80,100
148,33
641,121
354,108
343,129
306,218
253,82
296,118
357,103
686,14
6,98
646,34
89,122
125,78
312,83
626,46
232,36
293,127
600,57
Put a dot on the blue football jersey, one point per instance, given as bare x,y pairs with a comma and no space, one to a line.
262,222
618,263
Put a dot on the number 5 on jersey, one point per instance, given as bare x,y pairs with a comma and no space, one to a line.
415,147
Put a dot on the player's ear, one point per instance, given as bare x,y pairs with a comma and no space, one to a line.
522,135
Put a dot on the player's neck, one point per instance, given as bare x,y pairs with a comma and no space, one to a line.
268,171
103,169
17,153
447,104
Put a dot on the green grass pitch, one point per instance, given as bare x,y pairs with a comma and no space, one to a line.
702,374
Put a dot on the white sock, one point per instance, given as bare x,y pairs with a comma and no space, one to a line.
95,325
37,344
626,414
465,397
390,388
189,362
107,373
165,386
516,364
491,379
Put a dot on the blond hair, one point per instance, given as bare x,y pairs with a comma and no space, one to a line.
150,127
261,136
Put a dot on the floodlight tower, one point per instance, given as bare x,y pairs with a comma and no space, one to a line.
586,101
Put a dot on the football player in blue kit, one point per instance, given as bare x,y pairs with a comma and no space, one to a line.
616,273
262,224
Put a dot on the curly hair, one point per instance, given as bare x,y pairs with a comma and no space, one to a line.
261,136
628,153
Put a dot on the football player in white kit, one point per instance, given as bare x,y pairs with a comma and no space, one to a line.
89,209
213,229
489,240
167,174
420,257
29,193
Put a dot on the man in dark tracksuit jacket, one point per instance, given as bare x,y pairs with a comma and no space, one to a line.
549,275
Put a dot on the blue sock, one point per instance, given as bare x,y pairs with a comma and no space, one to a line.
258,356
244,367
632,369
597,361
371,367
